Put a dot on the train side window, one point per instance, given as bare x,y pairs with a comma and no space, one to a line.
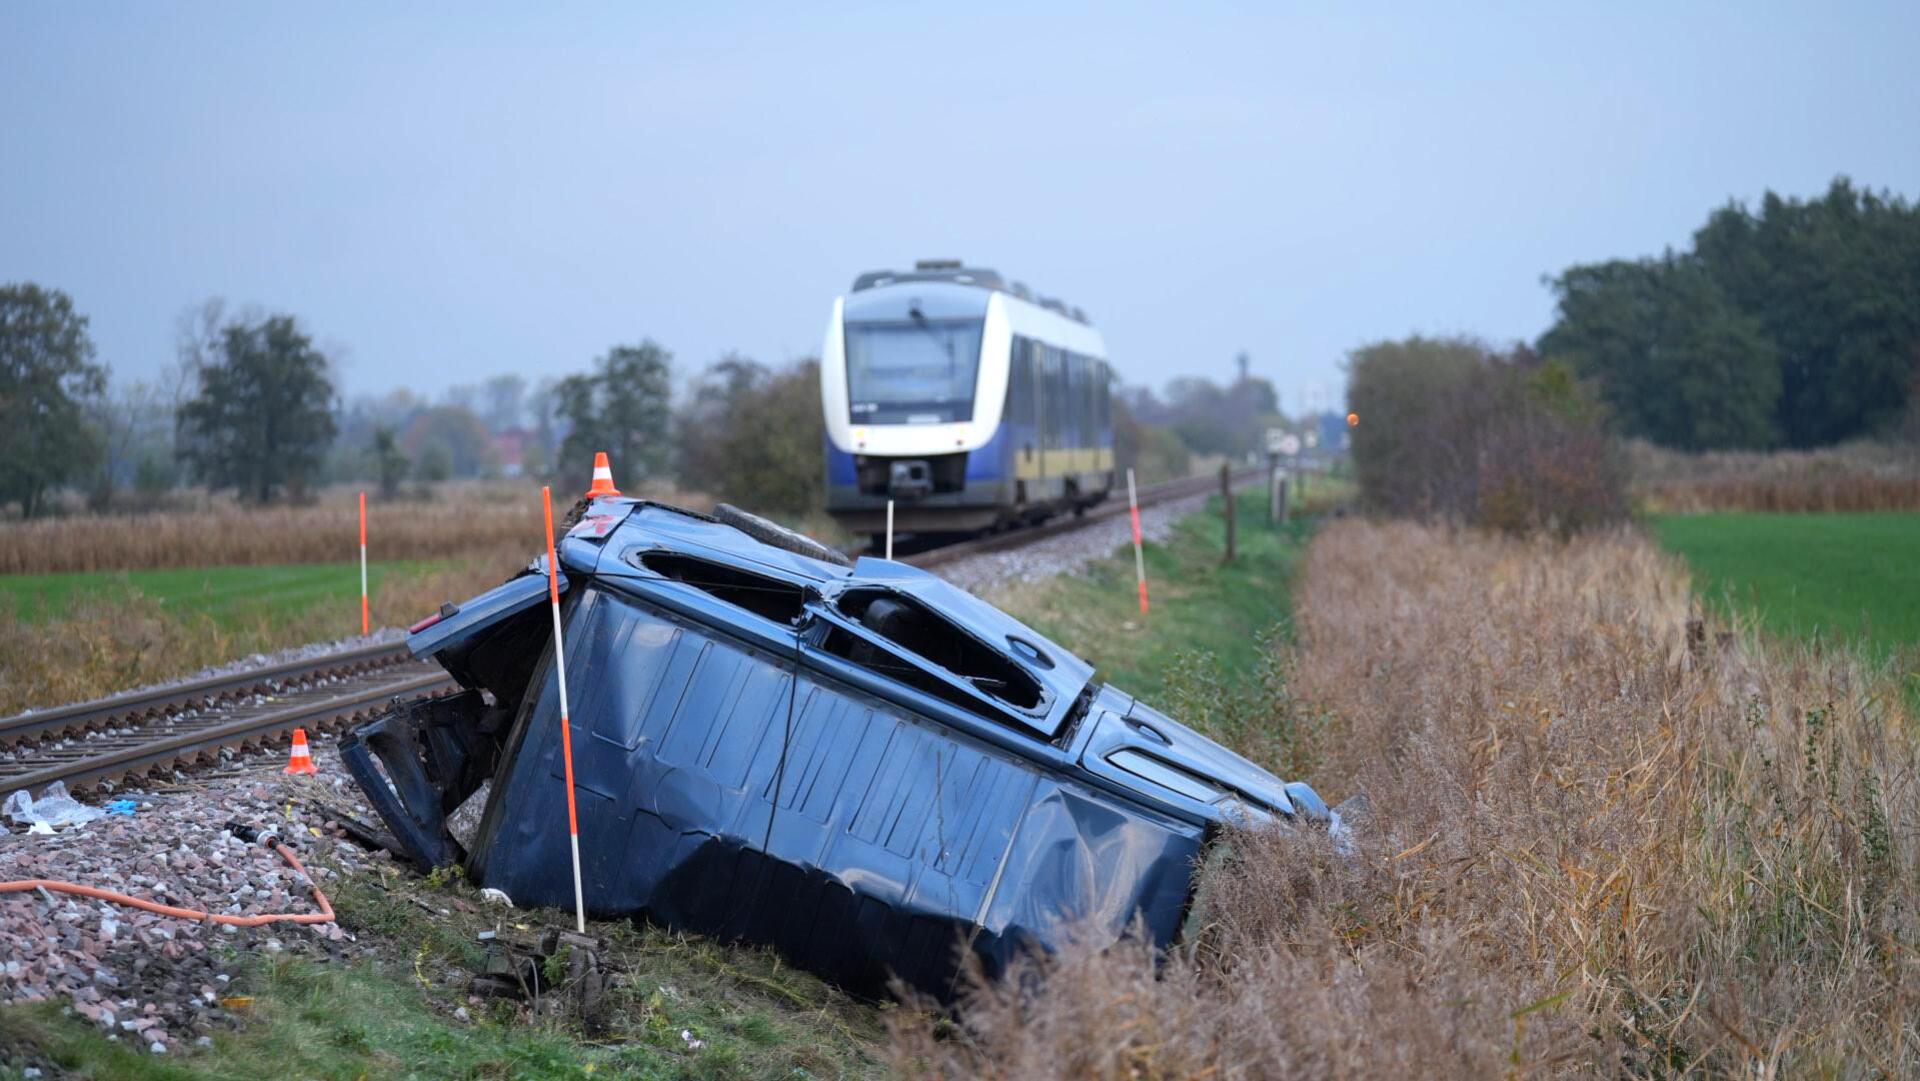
1020,383
1055,396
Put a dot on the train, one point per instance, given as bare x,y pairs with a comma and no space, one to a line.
968,401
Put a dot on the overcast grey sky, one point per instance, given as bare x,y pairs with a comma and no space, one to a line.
459,192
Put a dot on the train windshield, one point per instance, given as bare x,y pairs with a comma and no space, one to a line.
913,371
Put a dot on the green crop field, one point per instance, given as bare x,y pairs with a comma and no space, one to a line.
1852,577
230,596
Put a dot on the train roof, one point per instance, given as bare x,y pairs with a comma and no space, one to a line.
956,271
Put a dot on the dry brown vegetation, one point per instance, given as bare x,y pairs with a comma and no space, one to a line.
1851,477
117,640
451,524
1595,848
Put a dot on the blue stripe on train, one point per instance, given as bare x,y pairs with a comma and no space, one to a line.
840,472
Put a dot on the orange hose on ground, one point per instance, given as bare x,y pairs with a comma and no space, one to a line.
325,915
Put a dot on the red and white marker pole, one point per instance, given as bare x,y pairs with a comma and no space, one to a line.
366,621
566,726
1139,560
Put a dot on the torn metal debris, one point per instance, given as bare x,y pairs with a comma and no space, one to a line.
860,765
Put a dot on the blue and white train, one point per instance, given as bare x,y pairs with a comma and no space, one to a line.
967,400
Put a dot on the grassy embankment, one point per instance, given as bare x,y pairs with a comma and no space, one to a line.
1206,651
756,1016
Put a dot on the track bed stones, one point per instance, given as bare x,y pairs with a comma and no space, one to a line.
154,981
1066,552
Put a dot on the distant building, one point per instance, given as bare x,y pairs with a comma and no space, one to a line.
510,450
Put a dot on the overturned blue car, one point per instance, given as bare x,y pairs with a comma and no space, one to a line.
856,763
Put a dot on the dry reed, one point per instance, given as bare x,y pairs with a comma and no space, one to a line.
1594,848
1850,477
447,523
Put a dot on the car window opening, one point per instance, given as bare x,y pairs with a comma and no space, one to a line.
917,629
782,602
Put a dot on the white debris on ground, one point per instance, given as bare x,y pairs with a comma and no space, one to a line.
1067,552
156,981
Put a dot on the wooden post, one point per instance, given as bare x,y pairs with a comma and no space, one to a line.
1226,496
1280,497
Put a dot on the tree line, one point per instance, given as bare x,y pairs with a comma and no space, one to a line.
252,406
1795,325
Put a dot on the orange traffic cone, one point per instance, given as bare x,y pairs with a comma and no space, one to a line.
301,761
602,478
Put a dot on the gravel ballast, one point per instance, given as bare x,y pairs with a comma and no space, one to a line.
155,980
1067,552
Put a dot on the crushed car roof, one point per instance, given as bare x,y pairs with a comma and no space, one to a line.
633,529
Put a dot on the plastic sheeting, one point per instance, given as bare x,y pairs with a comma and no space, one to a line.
54,808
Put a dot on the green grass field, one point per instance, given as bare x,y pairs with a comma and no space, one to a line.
231,596
1852,577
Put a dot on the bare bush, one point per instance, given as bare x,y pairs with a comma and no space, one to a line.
1599,845
1451,430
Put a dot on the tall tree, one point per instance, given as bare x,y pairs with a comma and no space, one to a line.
47,379
1676,360
752,436
262,419
459,435
390,463
622,407
1798,323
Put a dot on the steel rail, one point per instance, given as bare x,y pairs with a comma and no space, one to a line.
1100,512
131,756
135,706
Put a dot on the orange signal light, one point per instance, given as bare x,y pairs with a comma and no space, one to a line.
1353,420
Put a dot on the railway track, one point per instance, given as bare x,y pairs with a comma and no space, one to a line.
134,735
143,733
1152,495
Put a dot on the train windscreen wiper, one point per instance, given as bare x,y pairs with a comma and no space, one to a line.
945,341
